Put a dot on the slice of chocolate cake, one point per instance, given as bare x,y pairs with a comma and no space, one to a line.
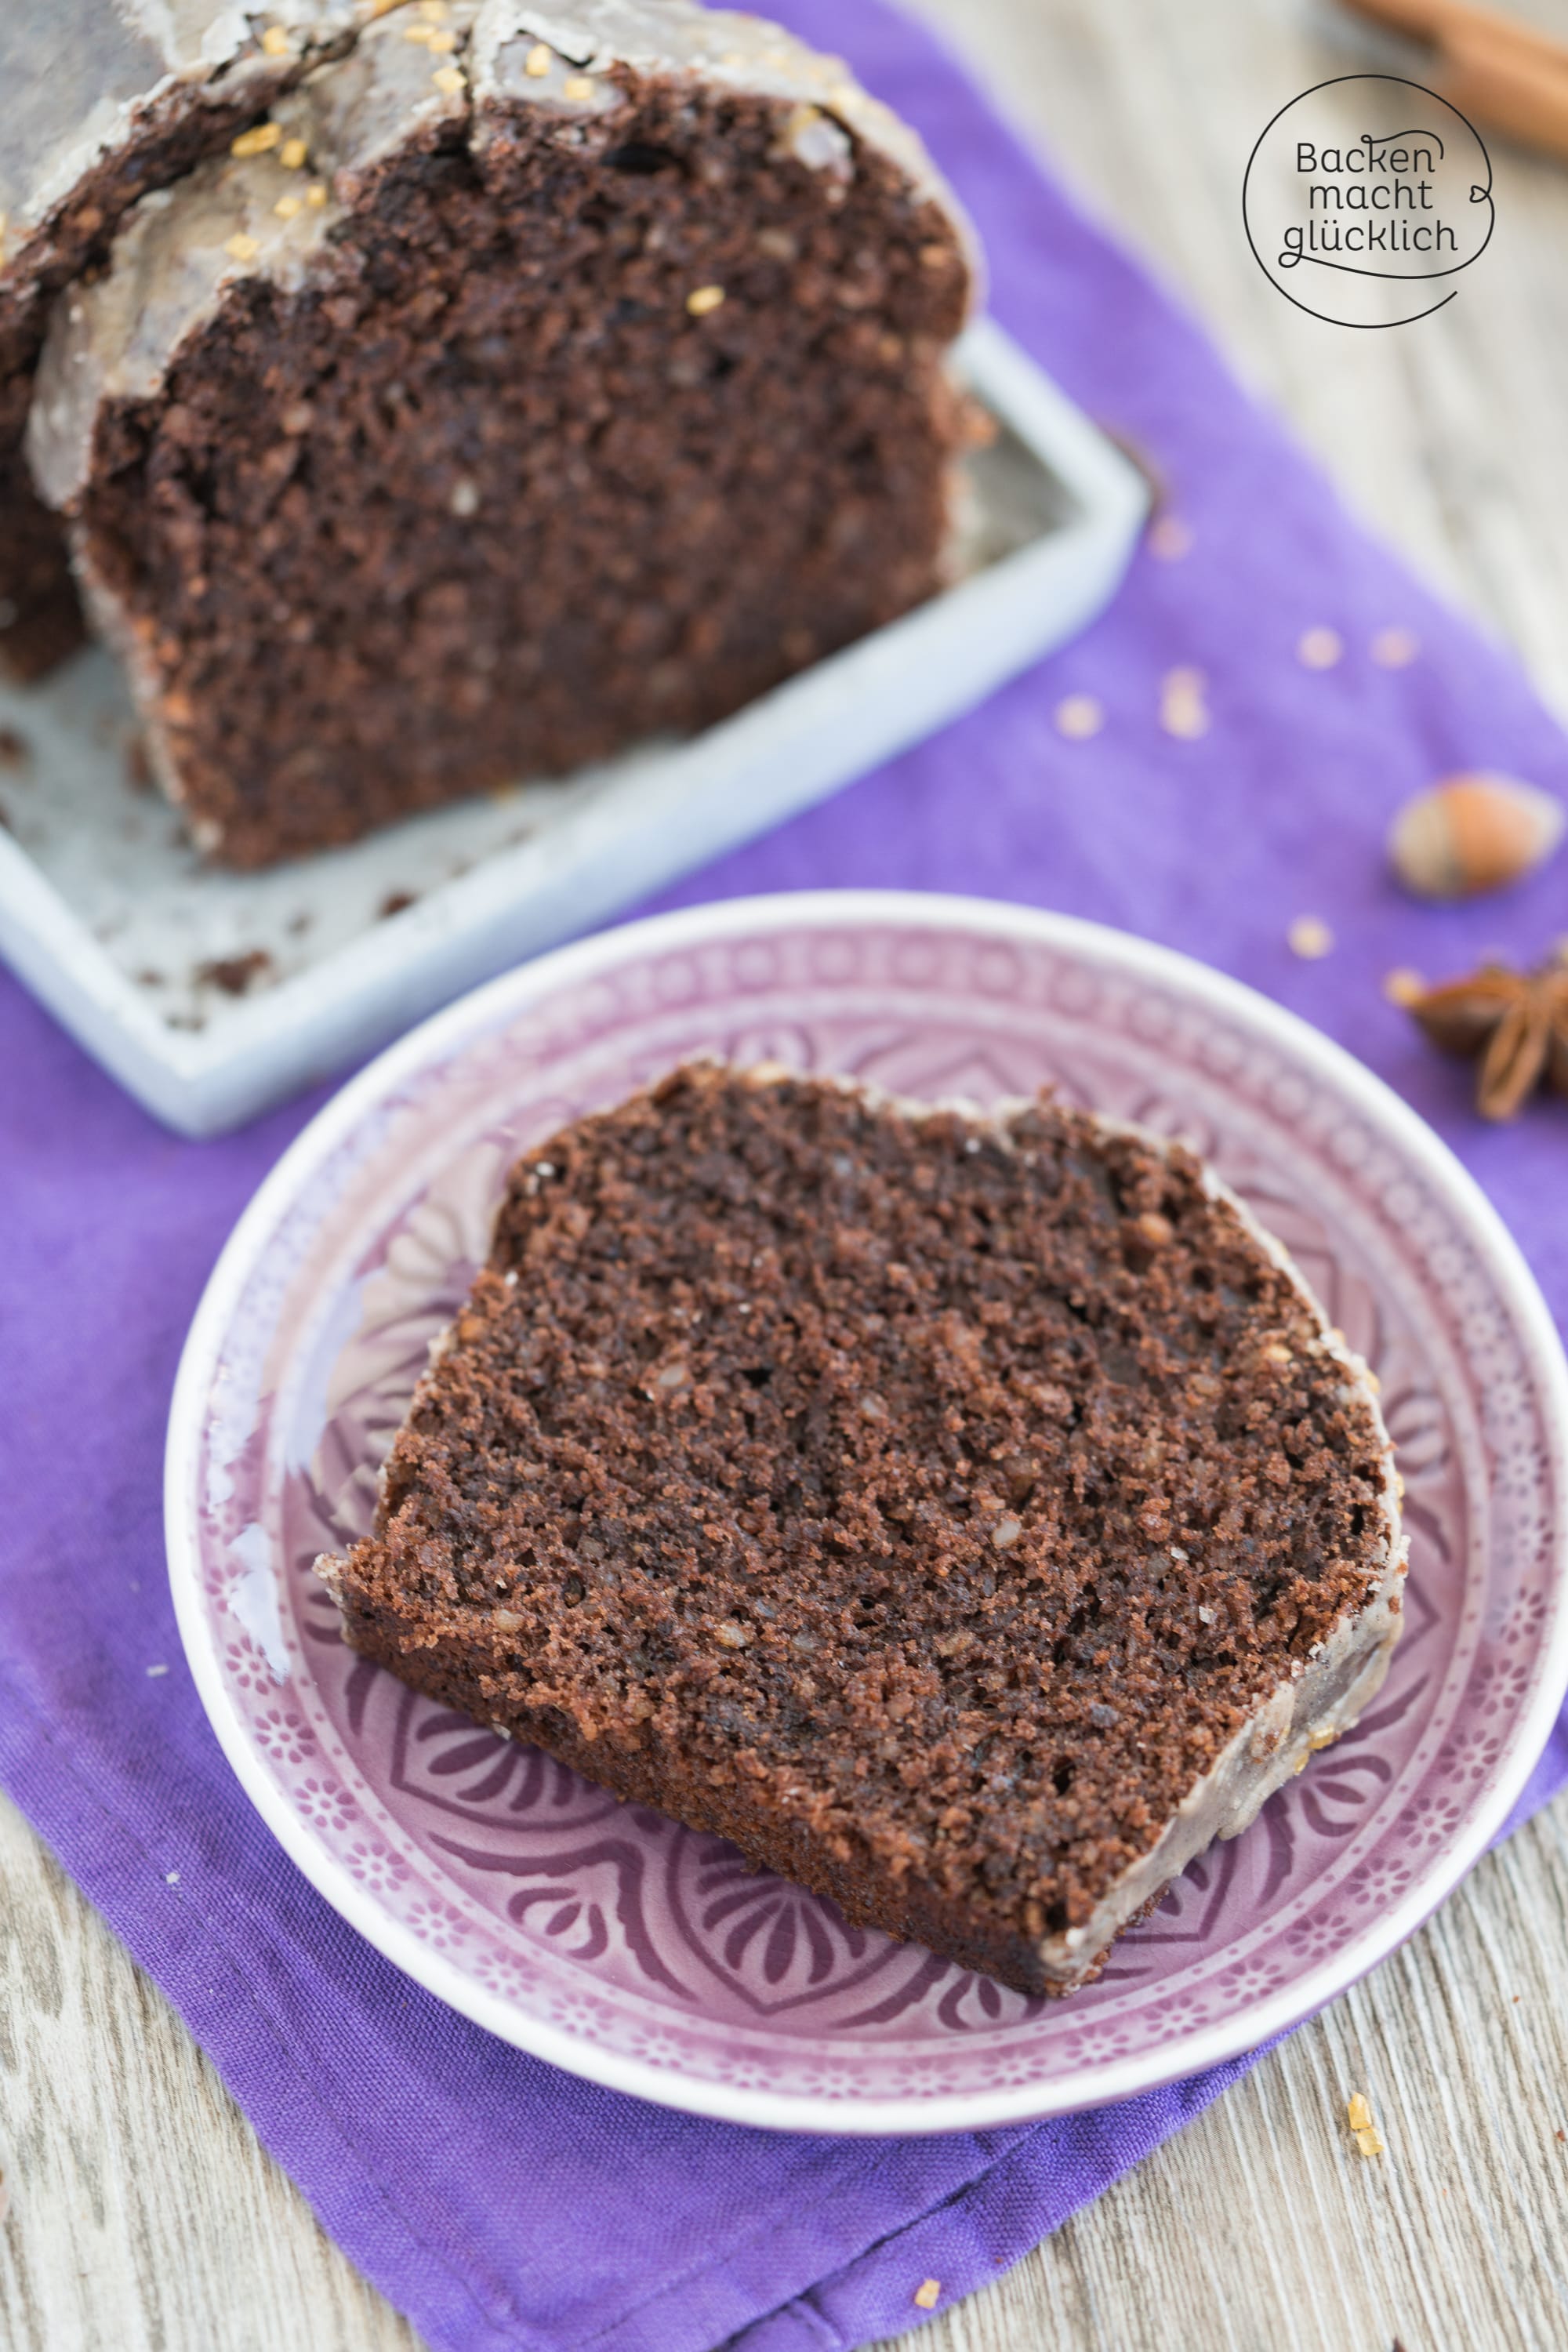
103,99
970,1517
526,383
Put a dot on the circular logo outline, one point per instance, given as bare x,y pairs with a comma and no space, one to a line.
1485,195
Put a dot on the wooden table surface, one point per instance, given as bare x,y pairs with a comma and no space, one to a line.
145,2218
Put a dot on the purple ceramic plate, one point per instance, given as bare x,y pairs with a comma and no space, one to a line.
603,1936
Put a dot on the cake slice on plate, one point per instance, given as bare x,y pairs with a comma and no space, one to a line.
969,1515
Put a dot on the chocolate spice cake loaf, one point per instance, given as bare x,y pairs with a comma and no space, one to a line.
970,1517
519,383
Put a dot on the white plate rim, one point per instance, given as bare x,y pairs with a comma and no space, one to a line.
1097,2083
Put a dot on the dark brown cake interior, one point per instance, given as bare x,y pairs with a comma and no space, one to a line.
41,616
923,1509
489,500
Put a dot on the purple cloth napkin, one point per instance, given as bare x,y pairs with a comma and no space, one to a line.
497,2202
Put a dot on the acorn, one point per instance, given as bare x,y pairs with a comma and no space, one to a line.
1473,834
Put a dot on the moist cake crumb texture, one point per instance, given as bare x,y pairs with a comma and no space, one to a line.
923,1502
471,417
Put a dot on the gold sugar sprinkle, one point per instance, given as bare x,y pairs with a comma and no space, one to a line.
293,154
537,62
927,2294
580,88
288,208
1403,986
448,81
1079,716
316,195
1320,648
264,136
421,35
1358,2111
435,12
443,44
275,41
1170,538
243,248
1396,648
1309,938
1183,710
703,299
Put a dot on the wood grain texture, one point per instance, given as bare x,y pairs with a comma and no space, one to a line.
1263,2229
144,2217
1446,438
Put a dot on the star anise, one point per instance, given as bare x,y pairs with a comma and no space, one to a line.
1516,1022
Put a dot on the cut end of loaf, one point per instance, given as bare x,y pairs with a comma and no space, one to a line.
589,401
